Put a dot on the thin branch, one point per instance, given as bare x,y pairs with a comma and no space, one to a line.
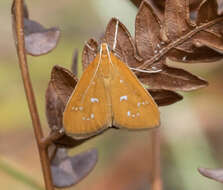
55,135
30,95
157,183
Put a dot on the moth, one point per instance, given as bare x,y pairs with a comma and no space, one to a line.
108,94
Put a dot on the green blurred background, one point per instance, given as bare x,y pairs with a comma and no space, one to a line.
191,129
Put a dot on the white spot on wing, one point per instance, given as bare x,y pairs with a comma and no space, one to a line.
123,98
94,100
133,115
80,108
121,81
128,113
92,116
184,58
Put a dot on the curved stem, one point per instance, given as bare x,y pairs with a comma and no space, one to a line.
55,135
157,183
30,95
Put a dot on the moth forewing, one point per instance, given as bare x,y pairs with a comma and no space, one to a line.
85,113
132,105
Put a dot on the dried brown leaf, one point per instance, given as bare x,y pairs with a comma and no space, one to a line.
54,108
89,52
207,11
68,171
201,55
164,97
147,29
177,23
216,174
54,114
177,19
74,65
64,82
211,41
120,41
210,37
38,40
157,5
172,79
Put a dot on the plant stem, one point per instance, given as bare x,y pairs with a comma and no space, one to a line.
30,95
157,183
55,135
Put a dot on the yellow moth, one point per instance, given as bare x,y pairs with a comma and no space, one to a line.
108,94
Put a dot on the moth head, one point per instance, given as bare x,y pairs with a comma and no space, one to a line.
104,50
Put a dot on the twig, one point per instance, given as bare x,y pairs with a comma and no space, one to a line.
30,95
157,183
55,135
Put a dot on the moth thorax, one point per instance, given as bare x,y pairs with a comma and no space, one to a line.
106,67
104,50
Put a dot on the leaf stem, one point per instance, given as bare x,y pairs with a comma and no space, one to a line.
29,93
157,183
55,135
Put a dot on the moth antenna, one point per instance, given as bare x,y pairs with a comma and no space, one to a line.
99,62
146,71
117,55
116,34
109,57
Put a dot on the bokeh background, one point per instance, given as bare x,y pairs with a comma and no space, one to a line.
191,130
